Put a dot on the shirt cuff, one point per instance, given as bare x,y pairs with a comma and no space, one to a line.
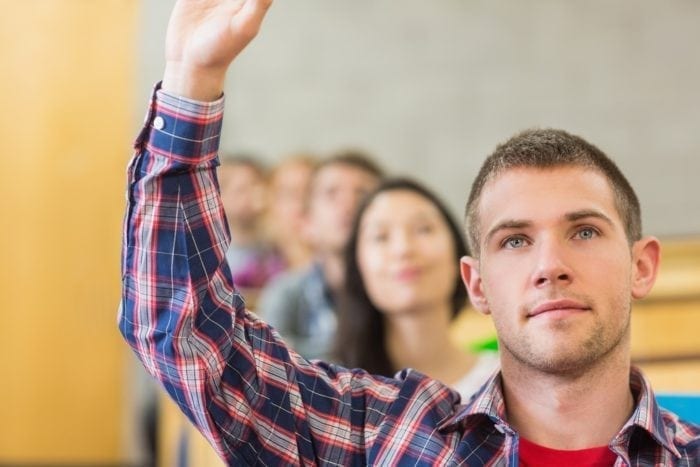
182,129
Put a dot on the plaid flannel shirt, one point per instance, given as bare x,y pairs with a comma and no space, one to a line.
256,400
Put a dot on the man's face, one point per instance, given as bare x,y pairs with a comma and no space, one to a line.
556,270
336,191
288,190
243,193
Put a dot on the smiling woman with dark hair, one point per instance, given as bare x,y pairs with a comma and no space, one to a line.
403,289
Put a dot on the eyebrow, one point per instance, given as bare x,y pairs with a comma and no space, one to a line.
586,213
509,224
506,225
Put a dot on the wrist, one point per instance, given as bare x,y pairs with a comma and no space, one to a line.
197,83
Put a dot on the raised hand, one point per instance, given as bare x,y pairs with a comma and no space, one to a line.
204,36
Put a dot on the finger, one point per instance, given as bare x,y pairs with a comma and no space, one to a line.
250,16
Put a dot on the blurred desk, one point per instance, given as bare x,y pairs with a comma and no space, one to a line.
666,324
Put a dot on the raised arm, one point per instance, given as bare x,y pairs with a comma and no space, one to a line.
255,400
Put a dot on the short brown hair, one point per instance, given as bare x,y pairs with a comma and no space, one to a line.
550,148
354,158
246,160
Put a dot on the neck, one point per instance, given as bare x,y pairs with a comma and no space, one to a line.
420,339
569,412
333,268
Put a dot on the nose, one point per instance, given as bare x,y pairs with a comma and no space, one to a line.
552,265
354,198
401,243
347,202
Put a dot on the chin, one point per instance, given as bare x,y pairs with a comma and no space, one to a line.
402,309
558,359
562,366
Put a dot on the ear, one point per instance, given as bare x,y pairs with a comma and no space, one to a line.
646,255
469,267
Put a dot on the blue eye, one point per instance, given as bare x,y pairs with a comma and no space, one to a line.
586,233
514,242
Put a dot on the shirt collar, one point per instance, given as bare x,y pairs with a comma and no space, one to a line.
647,415
486,401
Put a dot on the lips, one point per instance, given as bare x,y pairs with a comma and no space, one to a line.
556,305
408,274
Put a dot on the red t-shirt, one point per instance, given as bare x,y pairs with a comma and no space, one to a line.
534,455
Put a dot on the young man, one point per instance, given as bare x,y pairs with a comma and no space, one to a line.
557,260
301,305
243,183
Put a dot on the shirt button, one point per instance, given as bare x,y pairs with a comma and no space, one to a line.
158,123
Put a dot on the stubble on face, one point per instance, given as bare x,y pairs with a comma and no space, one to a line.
597,275
567,346
567,351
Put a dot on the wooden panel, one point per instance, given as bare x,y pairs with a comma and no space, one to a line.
679,273
177,429
666,329
170,425
681,377
66,131
666,325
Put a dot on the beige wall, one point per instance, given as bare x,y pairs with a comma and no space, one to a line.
431,87
67,121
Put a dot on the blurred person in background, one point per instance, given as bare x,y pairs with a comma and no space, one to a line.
251,256
288,192
403,289
301,305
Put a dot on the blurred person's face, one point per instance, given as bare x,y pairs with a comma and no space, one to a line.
336,192
288,191
556,270
243,193
406,254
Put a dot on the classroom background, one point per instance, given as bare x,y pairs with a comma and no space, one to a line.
429,87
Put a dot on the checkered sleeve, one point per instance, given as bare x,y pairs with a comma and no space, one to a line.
255,400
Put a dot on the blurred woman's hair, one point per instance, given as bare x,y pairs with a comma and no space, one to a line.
360,341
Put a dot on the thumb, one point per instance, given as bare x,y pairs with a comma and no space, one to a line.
247,21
